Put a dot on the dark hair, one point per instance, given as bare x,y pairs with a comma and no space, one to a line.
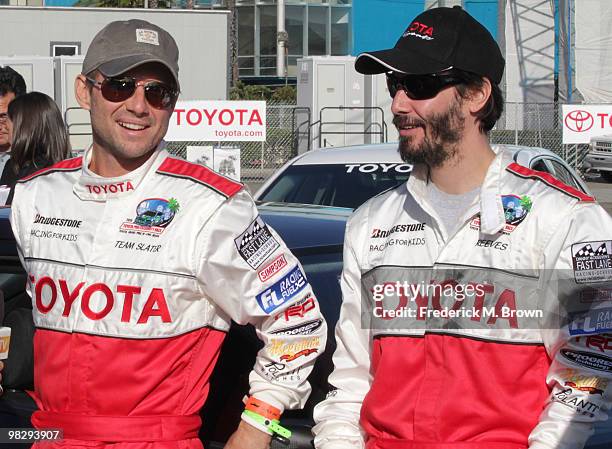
39,137
492,110
11,81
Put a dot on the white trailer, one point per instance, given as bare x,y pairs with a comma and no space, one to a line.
346,107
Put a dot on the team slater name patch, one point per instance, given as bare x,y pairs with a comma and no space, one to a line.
592,261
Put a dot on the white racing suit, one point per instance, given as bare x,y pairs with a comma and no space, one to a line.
134,282
526,359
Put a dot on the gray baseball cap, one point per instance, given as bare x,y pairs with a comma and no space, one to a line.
125,44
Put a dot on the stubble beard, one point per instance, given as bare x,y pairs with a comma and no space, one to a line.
443,132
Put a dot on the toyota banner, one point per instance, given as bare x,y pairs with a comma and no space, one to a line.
218,121
581,122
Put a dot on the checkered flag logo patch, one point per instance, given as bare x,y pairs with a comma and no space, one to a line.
585,251
256,243
592,261
602,250
248,237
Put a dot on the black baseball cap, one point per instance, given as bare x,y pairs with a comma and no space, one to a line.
436,40
125,44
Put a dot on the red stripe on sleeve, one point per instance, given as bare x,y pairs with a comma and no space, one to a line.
550,180
200,173
66,164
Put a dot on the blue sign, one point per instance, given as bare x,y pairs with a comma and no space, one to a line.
284,290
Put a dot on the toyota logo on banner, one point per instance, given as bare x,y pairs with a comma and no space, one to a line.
579,121
582,122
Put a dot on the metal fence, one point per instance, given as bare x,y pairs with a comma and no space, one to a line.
531,124
537,125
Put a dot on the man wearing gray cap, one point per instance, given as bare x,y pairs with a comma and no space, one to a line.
443,341
138,261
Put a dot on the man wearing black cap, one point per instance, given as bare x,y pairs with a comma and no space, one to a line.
443,341
137,262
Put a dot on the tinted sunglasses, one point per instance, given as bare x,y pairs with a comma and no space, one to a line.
159,95
421,87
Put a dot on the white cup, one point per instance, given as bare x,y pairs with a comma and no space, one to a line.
5,340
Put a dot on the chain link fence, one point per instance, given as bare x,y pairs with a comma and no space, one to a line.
537,125
530,124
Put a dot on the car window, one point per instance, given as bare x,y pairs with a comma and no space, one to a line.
340,185
559,171
563,174
540,165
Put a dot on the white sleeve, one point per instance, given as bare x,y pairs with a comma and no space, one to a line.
337,417
249,273
581,368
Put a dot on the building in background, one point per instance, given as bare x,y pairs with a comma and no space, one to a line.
314,28
553,48
328,28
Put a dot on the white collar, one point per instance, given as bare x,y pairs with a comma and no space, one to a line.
93,187
490,206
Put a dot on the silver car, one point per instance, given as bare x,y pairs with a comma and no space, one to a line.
348,176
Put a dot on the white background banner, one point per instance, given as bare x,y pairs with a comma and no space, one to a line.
592,54
583,121
218,121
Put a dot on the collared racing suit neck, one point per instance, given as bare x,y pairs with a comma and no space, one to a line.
489,204
93,187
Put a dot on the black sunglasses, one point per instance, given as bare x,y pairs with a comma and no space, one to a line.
421,87
159,95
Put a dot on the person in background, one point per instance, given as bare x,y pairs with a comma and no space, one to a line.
12,85
38,137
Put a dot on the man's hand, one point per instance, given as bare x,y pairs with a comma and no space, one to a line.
1,368
248,437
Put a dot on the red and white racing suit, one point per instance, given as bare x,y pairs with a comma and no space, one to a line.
481,381
134,282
